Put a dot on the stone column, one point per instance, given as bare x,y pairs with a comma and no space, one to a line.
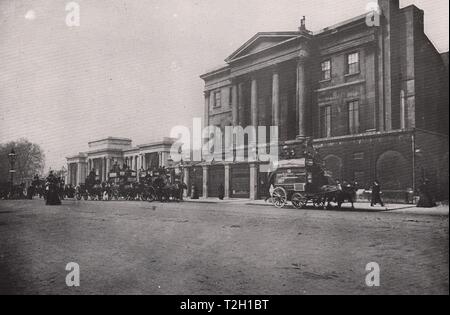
79,179
83,171
253,181
68,174
206,114
227,181
235,105
301,98
276,98
205,181
108,166
186,181
160,157
241,104
402,110
254,102
144,162
104,169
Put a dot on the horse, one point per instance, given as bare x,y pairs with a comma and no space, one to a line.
95,190
345,194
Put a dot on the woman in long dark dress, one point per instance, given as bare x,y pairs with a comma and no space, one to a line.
426,198
52,190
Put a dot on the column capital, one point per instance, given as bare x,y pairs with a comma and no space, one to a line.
206,93
302,96
275,69
303,57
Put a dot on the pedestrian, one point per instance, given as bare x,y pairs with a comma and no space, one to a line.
221,192
194,192
376,194
52,190
425,195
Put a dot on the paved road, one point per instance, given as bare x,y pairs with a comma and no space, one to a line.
187,248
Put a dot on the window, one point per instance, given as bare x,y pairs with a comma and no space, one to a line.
230,96
326,70
217,99
353,63
325,122
353,117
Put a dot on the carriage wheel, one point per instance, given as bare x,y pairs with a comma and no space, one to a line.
143,197
279,197
299,201
319,203
151,195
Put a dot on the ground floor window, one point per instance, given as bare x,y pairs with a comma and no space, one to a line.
240,181
325,122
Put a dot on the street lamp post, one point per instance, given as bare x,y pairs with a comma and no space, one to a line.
12,160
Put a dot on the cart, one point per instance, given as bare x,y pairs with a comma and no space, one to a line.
302,182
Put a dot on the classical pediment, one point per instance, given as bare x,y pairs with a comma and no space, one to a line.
261,42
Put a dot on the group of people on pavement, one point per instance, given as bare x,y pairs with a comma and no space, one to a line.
426,199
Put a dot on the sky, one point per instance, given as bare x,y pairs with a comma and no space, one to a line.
131,68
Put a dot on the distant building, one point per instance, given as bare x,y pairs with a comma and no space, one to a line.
373,98
104,153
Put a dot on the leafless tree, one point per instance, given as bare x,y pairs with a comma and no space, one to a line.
30,160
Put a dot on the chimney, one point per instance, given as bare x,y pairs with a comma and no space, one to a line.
389,39
389,8
302,28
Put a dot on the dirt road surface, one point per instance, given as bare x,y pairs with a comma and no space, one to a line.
188,248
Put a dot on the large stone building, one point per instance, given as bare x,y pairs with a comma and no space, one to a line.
104,153
373,98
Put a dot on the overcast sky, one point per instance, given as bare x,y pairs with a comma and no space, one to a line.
131,69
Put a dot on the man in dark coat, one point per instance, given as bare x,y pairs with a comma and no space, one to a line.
376,194
221,191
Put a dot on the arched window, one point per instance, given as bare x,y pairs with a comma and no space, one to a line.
333,164
393,170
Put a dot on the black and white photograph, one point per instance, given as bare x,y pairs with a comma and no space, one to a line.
222,154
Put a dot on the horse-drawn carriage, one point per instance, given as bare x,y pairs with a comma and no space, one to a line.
126,185
163,186
81,192
304,182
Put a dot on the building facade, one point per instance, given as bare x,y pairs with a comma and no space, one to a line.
104,153
374,99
